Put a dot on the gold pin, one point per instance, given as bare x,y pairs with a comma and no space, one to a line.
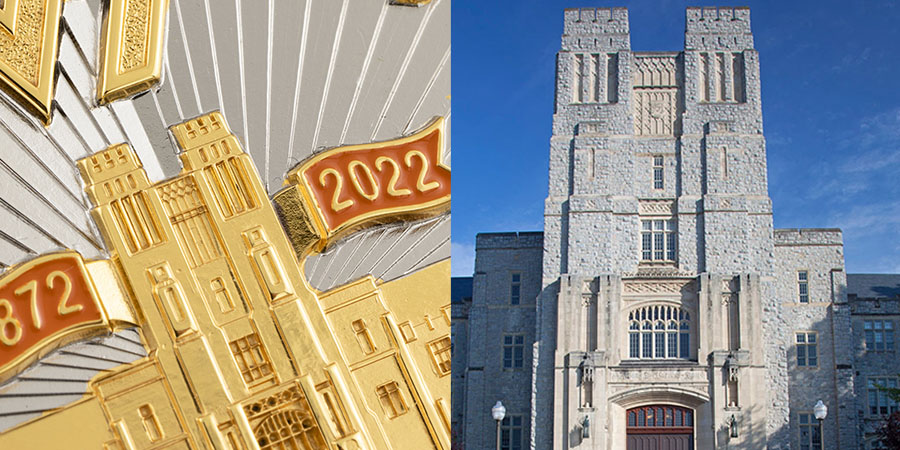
242,352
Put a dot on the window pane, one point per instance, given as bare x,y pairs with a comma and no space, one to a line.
817,436
634,346
646,350
685,345
670,247
673,345
660,345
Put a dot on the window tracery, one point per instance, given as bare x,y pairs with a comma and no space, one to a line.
659,332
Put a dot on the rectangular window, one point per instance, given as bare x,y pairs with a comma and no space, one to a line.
657,172
515,289
440,352
391,399
513,351
803,286
151,423
363,337
807,353
879,335
511,433
658,240
880,404
810,432
251,359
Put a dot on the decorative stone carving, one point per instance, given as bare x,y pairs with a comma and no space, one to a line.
656,207
659,272
655,95
657,287
654,71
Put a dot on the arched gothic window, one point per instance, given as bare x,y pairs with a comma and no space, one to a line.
659,332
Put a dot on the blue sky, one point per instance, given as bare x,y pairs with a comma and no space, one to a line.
831,110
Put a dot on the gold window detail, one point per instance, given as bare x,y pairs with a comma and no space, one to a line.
151,423
221,295
363,336
230,186
252,360
136,225
391,399
170,295
441,353
265,259
190,219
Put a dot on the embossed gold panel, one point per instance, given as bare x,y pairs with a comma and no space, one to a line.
28,49
242,352
131,48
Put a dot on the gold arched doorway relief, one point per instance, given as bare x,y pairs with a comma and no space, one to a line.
289,429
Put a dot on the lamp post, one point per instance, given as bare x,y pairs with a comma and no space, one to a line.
498,412
821,411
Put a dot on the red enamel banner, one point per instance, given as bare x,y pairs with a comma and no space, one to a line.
45,303
352,185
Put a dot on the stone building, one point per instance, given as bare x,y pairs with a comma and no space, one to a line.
660,308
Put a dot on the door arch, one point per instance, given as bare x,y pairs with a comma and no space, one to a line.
659,427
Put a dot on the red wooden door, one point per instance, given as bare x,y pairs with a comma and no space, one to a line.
660,427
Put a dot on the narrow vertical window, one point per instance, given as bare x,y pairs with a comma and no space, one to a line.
363,336
657,172
151,423
511,433
810,432
803,286
513,351
221,295
807,350
515,289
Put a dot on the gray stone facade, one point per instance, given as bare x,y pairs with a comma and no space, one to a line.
659,279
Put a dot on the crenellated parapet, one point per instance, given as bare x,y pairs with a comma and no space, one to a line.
597,29
718,28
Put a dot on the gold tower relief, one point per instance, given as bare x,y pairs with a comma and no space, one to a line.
242,352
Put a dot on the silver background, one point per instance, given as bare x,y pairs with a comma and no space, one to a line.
292,77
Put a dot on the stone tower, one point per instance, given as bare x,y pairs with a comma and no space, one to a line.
658,307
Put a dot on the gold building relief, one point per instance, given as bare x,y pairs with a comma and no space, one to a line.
242,353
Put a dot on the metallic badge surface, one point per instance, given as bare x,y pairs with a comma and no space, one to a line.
286,286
